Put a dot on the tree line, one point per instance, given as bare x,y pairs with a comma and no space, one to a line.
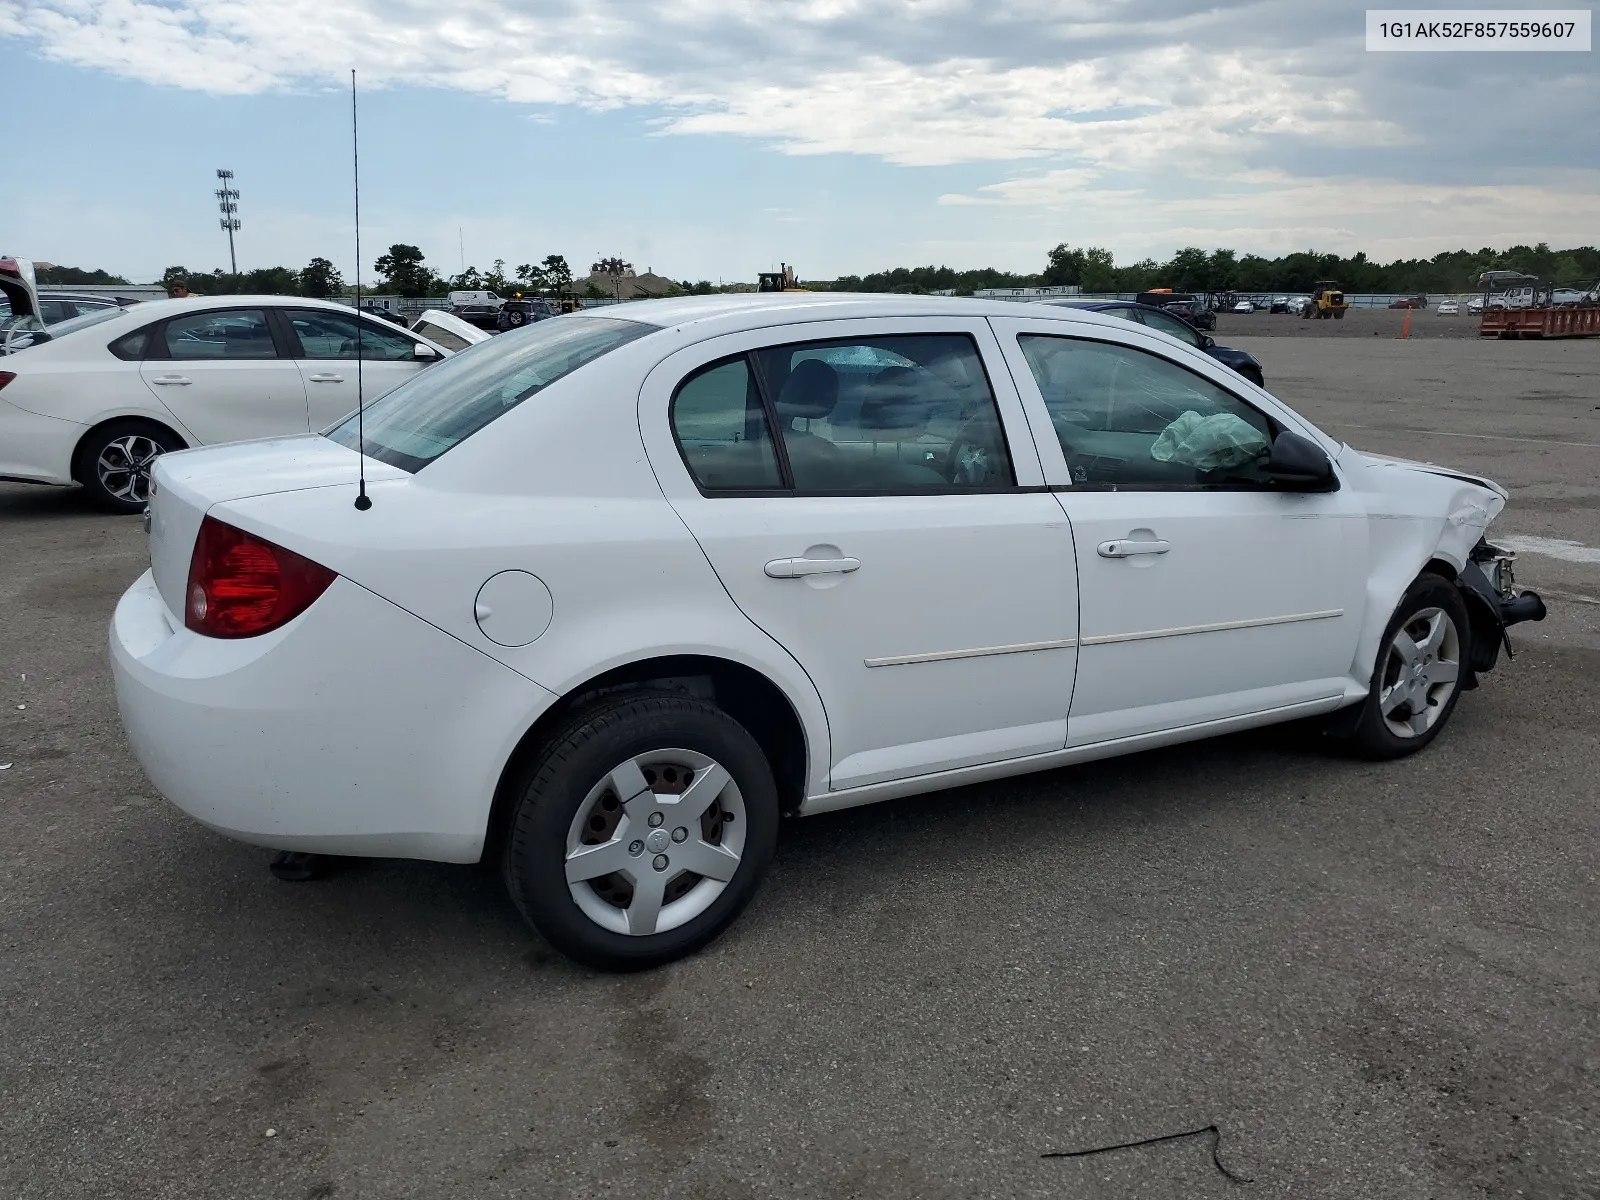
1193,269
403,270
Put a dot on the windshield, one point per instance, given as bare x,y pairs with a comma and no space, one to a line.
447,403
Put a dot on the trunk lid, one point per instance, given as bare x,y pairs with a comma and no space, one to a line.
188,483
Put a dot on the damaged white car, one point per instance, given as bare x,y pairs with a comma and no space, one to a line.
632,585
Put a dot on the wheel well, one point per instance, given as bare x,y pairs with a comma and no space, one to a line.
744,693
95,430
1438,566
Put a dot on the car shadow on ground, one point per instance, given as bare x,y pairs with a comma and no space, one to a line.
24,500
439,911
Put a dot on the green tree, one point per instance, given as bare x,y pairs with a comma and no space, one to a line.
173,276
320,278
557,275
55,274
405,271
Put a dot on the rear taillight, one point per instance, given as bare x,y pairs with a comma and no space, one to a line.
6,377
241,585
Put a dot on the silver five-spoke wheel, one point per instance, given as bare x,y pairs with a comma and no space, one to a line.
1421,669
123,467
655,842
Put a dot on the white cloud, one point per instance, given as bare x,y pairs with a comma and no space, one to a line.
1251,121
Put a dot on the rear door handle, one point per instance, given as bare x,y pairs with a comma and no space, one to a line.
1128,547
795,568
171,379
326,378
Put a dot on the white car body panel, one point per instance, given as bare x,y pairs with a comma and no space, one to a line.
582,486
75,384
310,699
1000,566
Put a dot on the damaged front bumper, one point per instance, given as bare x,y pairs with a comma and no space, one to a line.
1488,586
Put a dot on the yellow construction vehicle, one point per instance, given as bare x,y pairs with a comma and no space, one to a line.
1327,300
778,281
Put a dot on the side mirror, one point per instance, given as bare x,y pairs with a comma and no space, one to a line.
424,353
1300,465
1207,341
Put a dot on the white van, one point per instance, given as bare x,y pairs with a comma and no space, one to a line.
474,302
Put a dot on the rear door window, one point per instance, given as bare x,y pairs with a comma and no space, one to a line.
229,333
895,415
721,428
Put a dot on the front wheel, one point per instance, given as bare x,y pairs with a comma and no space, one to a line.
1338,314
1416,680
640,830
114,463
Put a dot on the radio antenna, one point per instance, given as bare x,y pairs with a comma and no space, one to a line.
363,501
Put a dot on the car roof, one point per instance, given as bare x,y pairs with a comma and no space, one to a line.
162,308
708,316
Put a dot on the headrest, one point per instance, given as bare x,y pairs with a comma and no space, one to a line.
811,390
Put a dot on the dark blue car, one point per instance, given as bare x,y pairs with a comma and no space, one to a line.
1155,318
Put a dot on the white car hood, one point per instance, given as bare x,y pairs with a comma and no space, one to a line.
1409,464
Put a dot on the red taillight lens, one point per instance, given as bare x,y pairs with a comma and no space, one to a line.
241,585
6,377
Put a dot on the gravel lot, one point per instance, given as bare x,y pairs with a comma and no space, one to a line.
1377,981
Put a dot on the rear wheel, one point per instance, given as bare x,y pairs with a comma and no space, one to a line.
1416,680
114,463
1254,375
516,317
640,830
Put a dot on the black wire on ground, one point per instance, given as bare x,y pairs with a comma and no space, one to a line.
1216,1145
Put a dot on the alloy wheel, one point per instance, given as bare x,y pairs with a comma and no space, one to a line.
123,467
655,842
1421,671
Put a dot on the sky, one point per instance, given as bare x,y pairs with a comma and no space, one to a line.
711,139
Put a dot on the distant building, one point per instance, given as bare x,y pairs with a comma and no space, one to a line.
388,304
117,291
1027,293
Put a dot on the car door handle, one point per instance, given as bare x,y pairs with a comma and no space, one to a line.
796,568
326,378
172,379
1128,547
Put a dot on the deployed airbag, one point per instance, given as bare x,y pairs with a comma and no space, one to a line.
1212,443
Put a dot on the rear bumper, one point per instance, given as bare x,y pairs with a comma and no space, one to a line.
355,729
35,448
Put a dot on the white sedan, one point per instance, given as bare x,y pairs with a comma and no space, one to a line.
1449,308
632,585
98,399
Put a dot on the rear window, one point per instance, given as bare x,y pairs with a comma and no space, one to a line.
449,402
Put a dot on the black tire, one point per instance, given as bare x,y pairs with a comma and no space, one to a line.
1338,314
1373,737
559,778
125,491
1254,376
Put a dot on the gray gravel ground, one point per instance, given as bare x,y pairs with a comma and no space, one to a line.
1378,981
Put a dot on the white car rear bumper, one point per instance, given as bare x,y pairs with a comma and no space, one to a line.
265,740
36,448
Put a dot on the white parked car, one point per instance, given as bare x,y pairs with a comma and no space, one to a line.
1449,308
99,397
632,585
1244,306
